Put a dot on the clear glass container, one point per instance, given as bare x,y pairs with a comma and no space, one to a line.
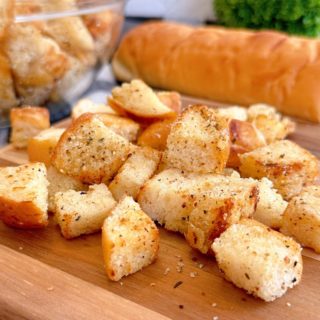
51,50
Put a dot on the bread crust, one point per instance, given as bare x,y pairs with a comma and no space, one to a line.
232,66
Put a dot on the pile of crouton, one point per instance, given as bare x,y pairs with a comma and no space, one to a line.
225,178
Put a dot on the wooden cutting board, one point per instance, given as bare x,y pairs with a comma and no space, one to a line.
44,276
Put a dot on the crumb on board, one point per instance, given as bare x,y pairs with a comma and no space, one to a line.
200,265
177,284
121,283
20,248
50,288
288,304
181,306
166,271
193,274
215,318
214,305
152,284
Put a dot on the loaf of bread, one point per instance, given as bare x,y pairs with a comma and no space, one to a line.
232,66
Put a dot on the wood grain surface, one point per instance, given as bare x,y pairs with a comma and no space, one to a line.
74,269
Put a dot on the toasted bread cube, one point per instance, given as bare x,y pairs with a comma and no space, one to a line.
301,220
171,99
130,240
270,123
225,203
172,196
124,127
138,169
138,99
198,141
41,146
26,123
286,164
271,206
234,112
59,182
263,262
82,212
23,196
90,151
244,138
87,105
155,136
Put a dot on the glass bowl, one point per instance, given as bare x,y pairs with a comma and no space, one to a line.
51,50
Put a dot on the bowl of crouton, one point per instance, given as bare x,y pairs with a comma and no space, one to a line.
51,50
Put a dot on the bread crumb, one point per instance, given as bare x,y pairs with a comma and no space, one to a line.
50,288
193,274
214,305
166,271
289,304
200,265
121,283
180,266
215,318
20,248
152,284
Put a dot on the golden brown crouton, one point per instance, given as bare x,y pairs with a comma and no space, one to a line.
86,105
138,99
90,151
26,123
198,141
301,220
269,122
155,136
23,196
41,146
138,168
130,240
82,212
287,165
244,138
171,99
263,262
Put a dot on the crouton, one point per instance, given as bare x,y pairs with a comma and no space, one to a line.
138,168
130,240
23,196
59,182
263,262
234,112
155,136
285,163
86,105
198,141
90,151
271,206
138,99
301,220
244,138
41,146
270,123
224,203
82,212
26,123
171,197
171,99
124,127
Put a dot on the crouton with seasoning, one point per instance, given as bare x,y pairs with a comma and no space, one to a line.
124,127
82,212
270,122
155,136
138,169
59,182
130,240
90,151
41,146
262,261
87,105
244,137
301,220
171,99
198,141
26,123
271,206
138,99
217,208
23,196
286,164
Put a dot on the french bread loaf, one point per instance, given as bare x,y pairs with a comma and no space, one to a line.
232,66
